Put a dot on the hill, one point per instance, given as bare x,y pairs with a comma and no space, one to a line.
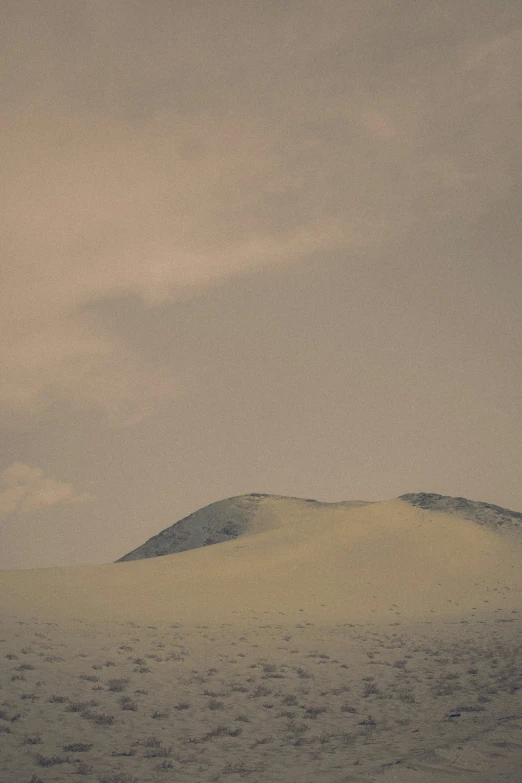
222,521
233,517
339,562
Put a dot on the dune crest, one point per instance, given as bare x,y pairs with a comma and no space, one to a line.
321,562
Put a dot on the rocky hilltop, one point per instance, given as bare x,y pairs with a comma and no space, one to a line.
486,514
233,517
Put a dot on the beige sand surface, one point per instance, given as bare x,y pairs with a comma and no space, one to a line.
381,642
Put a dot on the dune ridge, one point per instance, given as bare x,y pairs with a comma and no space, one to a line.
328,562
342,642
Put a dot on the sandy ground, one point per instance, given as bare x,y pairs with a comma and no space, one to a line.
381,643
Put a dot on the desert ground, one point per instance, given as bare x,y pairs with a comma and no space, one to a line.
335,643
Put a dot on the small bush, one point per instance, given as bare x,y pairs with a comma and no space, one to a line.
117,684
126,703
50,761
80,706
159,753
158,715
84,769
101,719
77,747
33,739
313,712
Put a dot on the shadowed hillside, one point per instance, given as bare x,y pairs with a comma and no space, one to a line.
228,519
221,521
487,514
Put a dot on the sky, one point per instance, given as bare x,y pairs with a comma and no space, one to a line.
253,247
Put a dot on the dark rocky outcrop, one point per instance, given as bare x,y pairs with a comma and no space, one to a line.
486,514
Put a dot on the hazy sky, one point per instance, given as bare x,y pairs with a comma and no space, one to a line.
254,246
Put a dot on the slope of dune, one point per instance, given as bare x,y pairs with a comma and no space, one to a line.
323,562
343,642
487,514
233,517
223,521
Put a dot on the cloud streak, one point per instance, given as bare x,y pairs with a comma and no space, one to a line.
25,489
151,154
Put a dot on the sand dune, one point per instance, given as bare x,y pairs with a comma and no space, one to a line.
345,643
331,562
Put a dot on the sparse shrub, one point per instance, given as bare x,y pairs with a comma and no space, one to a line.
101,719
165,765
50,761
150,742
32,739
369,689
77,747
117,684
89,677
158,753
11,718
222,731
348,708
261,690
182,705
126,703
80,706
55,699
313,712
118,779
215,704
158,715
238,768
316,654
84,769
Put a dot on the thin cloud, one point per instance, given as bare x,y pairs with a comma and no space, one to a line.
26,489
151,156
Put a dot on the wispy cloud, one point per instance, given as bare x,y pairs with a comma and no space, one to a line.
146,155
24,489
